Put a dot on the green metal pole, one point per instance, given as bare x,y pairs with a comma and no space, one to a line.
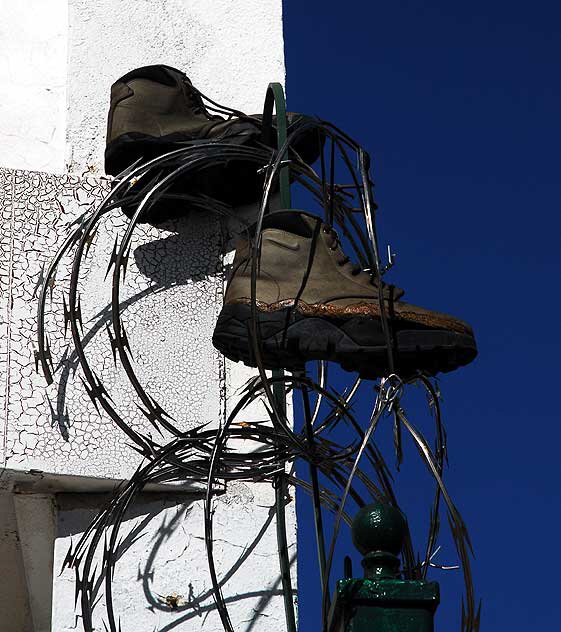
381,601
318,521
275,97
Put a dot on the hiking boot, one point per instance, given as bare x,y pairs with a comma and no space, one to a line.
156,109
314,304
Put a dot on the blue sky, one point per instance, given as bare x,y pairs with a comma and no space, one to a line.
459,105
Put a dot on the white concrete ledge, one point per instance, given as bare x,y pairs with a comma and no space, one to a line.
38,482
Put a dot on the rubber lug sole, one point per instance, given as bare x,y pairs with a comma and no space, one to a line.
289,340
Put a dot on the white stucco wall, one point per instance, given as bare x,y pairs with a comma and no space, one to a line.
232,51
15,611
170,558
170,301
33,84
59,59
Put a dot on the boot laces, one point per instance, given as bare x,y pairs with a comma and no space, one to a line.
335,246
355,269
198,98
195,97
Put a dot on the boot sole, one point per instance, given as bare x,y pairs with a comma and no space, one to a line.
235,183
289,340
125,149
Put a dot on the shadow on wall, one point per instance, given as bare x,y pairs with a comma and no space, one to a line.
174,261
168,535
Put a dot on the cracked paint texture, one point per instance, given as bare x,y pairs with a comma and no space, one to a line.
169,303
170,300
170,559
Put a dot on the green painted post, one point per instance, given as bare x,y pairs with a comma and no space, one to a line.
381,601
274,98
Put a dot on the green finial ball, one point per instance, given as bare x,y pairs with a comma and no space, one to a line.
379,527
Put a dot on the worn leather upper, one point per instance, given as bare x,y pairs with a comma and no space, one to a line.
306,266
293,265
157,104
159,101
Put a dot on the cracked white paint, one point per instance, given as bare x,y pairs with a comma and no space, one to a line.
170,301
59,59
173,289
171,559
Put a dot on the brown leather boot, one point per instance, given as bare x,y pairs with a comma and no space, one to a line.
156,109
314,304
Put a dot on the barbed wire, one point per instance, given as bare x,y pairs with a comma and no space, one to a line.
203,454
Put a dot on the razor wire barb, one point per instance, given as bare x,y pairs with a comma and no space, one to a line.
202,454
